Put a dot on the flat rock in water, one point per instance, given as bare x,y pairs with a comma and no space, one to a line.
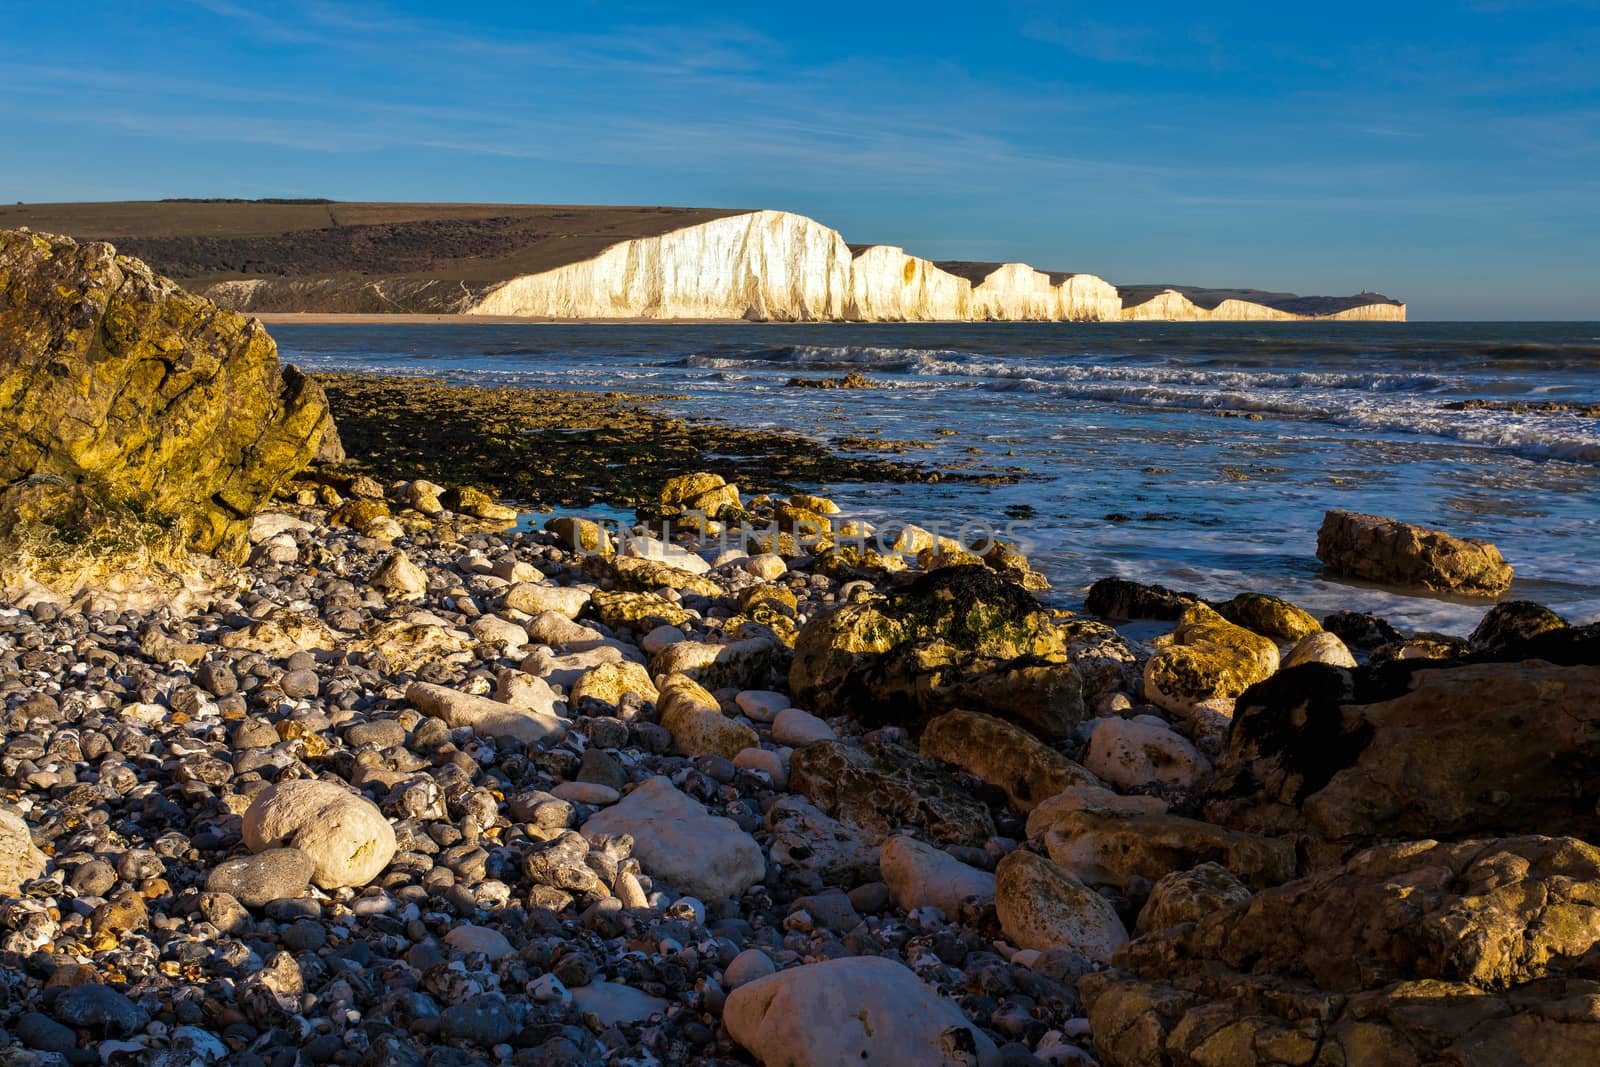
1399,553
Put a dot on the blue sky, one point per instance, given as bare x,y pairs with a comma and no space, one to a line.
1444,153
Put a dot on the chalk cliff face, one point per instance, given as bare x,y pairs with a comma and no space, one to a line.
778,266
1141,304
886,285
763,265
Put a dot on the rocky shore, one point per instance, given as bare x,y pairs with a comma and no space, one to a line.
410,782
425,795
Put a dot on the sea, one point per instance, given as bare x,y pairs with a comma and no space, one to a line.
1200,456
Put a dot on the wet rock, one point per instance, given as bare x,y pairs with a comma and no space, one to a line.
961,637
274,874
682,844
1361,631
1043,907
704,492
1003,755
346,836
880,790
877,1010
1121,600
1506,625
918,875
1398,553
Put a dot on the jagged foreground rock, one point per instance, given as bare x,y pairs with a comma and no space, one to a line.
120,391
1413,954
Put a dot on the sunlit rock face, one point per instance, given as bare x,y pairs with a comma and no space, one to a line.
1170,305
768,265
887,285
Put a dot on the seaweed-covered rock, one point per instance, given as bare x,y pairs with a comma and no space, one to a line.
1206,658
1407,751
1512,622
1361,630
1398,553
1270,616
961,637
1120,600
1409,954
117,388
708,493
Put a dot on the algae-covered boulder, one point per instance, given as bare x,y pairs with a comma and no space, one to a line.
1206,659
1504,625
962,637
120,390
703,492
1270,616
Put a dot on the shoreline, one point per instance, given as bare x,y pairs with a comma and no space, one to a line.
548,448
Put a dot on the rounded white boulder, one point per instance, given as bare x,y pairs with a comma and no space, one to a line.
345,834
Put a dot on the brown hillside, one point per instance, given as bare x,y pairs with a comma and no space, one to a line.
219,240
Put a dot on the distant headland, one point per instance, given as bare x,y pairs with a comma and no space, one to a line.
566,262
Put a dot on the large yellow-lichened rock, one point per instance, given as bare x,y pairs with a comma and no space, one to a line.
1206,659
120,390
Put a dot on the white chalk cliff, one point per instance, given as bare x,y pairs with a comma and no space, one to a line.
779,266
